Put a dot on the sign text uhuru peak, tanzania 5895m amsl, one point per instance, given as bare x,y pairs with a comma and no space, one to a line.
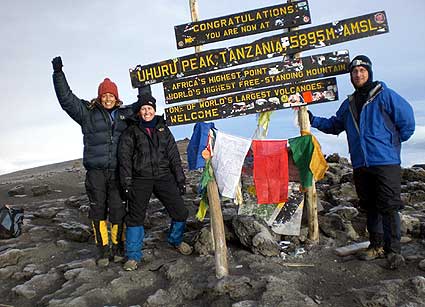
272,46
242,24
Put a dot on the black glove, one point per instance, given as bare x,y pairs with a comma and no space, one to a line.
182,189
310,116
57,64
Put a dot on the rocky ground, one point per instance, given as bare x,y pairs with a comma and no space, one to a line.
53,262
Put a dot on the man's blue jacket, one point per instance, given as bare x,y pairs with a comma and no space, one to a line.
386,120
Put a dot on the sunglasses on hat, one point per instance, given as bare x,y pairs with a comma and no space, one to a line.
355,63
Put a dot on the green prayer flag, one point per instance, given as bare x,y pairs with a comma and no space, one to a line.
302,149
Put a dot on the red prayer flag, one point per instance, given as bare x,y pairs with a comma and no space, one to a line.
270,171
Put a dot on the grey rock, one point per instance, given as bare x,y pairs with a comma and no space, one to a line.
247,303
185,290
160,298
418,284
38,284
75,231
413,174
350,231
410,225
32,269
77,201
17,190
72,274
8,271
346,212
347,177
40,190
46,213
121,287
203,242
63,243
421,265
10,257
333,158
414,186
330,224
237,287
69,302
176,270
342,194
255,234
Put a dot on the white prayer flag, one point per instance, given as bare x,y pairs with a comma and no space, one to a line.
227,161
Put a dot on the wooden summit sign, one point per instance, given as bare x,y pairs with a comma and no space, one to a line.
268,47
236,80
245,103
242,24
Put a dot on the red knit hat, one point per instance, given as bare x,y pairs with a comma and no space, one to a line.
107,86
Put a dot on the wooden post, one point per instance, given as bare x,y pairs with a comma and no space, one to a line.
221,269
310,195
217,224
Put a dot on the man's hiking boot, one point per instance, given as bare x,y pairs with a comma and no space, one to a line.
184,249
395,260
371,253
130,265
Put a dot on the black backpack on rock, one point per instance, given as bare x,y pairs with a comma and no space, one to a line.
11,220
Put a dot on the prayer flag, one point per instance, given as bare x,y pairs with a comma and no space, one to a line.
198,142
229,154
271,171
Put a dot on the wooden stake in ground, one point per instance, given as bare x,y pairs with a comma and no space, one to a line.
310,195
221,268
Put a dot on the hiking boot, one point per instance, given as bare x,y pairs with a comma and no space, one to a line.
118,258
184,249
395,261
103,262
371,253
130,265
103,258
117,254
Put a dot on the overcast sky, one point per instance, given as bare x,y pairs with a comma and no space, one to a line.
103,38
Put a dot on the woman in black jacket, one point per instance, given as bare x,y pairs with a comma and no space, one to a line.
149,162
102,121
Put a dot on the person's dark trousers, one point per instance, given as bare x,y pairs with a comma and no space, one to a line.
165,189
378,189
103,191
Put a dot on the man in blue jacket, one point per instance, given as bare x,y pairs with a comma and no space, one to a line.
376,120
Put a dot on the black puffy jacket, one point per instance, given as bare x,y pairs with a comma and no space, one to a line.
100,135
149,157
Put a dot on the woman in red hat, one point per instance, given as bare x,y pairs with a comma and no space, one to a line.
102,121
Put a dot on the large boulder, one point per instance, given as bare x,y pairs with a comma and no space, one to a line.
256,235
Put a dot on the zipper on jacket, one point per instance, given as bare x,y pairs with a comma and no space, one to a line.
108,121
373,93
